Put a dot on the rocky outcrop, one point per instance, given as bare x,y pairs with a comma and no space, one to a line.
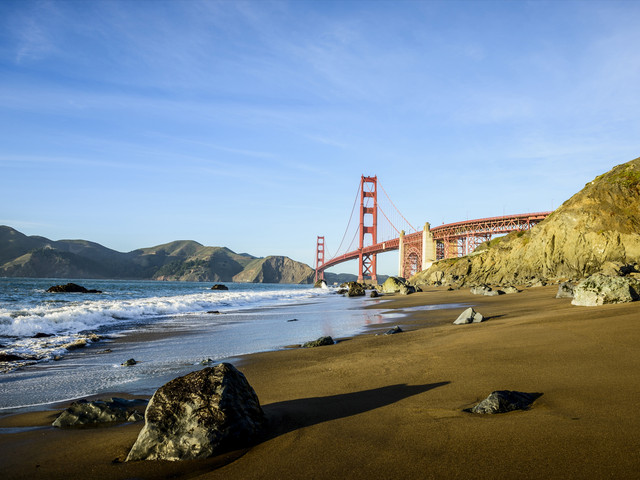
469,316
70,288
275,269
601,289
199,415
219,286
84,412
599,224
320,284
503,401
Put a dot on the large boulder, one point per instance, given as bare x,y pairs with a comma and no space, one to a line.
600,289
354,289
84,412
469,316
320,284
219,286
199,415
502,401
392,285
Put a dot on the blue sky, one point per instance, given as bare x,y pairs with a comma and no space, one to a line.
248,124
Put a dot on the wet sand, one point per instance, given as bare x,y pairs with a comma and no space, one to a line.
380,407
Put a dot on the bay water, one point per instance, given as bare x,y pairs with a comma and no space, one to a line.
61,346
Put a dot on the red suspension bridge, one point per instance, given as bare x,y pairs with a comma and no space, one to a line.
417,249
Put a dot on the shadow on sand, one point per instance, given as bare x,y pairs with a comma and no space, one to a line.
290,415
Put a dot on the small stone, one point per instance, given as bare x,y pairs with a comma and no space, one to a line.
293,320
394,330
219,286
502,401
565,290
129,363
374,294
469,316
320,342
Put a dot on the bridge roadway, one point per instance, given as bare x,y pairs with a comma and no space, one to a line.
450,240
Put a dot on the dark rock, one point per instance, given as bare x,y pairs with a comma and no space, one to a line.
199,415
374,294
70,288
322,341
84,412
502,401
10,357
320,284
293,320
206,361
213,312
42,335
219,286
565,290
393,331
342,291
355,289
129,363
106,350
469,316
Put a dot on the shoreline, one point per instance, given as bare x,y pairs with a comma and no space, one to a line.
392,406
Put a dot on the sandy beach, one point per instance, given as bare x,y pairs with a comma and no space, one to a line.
393,406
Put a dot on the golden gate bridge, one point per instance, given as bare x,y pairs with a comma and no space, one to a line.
417,249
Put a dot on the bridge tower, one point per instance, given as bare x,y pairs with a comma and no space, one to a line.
368,226
319,258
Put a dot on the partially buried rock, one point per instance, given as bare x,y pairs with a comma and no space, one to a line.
219,286
502,401
129,363
469,316
70,288
84,412
322,341
393,331
565,290
199,415
601,289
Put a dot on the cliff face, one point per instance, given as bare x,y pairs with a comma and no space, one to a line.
182,260
275,269
599,224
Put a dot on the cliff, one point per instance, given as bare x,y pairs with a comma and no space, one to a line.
599,224
275,270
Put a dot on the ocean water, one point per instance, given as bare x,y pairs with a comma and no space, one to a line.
67,346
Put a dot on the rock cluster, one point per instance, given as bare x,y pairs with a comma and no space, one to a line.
199,415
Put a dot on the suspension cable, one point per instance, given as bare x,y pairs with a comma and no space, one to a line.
390,222
353,209
385,192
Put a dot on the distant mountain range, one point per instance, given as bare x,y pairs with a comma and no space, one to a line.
182,260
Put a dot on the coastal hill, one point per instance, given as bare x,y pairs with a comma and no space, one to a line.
182,260
599,224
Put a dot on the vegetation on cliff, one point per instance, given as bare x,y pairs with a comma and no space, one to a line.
182,260
599,224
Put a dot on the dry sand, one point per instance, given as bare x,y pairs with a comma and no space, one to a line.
389,407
